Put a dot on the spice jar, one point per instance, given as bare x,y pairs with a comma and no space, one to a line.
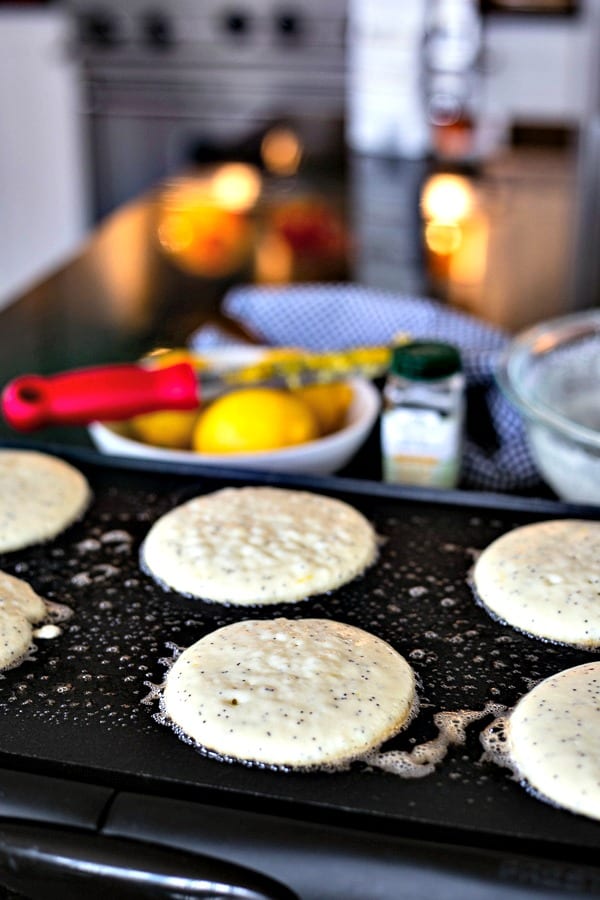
423,415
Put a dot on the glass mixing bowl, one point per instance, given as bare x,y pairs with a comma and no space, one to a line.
551,372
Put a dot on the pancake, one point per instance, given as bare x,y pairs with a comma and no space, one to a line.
20,609
40,496
553,736
258,545
544,579
289,693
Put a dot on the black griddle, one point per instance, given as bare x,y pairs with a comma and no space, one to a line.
83,757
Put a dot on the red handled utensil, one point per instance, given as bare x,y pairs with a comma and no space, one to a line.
101,393
115,392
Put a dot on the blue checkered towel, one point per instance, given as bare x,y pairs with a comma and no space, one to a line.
327,316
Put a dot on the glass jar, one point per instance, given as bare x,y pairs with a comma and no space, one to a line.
423,415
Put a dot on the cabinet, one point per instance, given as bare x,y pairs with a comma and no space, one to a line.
43,188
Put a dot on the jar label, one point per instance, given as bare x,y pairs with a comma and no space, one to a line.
420,447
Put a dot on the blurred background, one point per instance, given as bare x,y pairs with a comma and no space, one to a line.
458,141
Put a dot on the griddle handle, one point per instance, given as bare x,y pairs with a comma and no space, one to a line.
99,393
49,863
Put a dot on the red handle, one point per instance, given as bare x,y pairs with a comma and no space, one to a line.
103,392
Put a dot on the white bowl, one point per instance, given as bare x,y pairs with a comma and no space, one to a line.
319,457
551,372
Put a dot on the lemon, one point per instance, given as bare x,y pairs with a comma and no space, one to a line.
253,419
170,356
329,403
167,428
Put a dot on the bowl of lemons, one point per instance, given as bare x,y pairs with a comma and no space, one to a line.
315,429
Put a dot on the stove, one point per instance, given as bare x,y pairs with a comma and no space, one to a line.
186,81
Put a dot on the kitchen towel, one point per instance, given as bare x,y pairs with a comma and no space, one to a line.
327,316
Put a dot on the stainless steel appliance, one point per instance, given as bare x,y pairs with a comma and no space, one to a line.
170,83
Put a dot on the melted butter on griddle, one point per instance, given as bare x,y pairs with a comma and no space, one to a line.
423,758
118,541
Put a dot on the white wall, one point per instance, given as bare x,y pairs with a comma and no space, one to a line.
43,214
538,70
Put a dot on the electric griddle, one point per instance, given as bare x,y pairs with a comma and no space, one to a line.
97,796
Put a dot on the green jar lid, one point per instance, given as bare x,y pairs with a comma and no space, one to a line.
425,360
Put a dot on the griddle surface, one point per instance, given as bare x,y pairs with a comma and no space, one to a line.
76,710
